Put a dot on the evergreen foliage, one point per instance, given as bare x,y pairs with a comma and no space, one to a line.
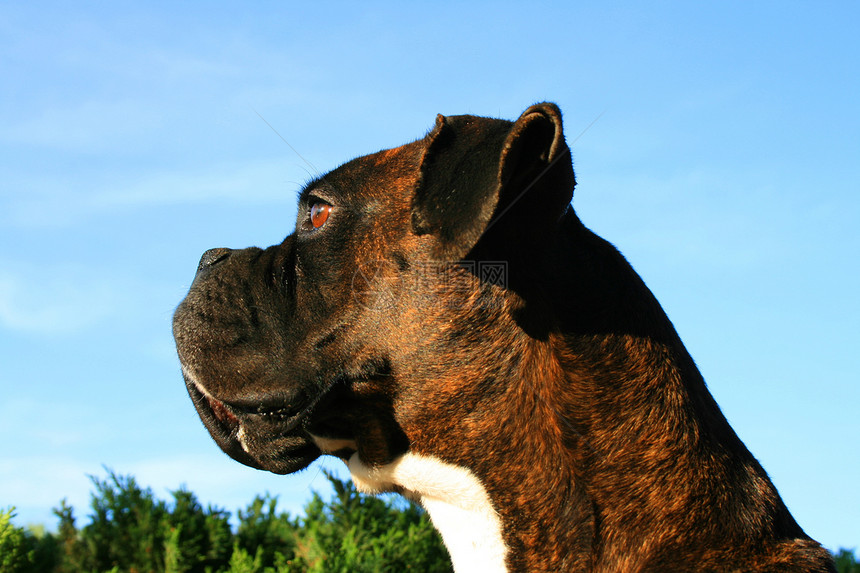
130,530
846,562
15,553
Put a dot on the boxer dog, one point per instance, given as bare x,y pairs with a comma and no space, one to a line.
442,321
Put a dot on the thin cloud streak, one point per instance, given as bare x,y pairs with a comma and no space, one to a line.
55,202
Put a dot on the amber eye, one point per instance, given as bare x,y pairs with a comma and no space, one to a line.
319,214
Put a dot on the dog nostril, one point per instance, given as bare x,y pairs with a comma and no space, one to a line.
212,257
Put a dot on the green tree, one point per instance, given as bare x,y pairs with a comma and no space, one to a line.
131,530
262,528
16,552
846,562
195,539
46,549
242,562
357,533
125,530
221,538
70,555
29,550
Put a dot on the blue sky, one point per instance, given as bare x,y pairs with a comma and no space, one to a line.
724,164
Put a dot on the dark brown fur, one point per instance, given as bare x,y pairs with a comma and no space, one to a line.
564,388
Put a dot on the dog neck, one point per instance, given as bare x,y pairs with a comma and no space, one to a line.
575,444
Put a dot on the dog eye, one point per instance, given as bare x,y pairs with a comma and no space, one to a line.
319,213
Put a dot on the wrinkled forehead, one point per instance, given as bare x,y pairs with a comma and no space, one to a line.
388,174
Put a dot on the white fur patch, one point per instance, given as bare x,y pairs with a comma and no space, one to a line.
457,503
240,436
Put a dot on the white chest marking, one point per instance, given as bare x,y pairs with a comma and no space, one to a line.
457,503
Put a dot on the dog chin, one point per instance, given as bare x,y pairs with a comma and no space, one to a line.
261,440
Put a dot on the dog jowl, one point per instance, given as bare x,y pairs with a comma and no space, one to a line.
441,320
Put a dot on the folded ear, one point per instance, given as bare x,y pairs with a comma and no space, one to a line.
477,172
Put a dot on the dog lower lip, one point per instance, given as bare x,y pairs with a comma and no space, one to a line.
221,412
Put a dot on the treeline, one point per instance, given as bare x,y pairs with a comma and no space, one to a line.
131,531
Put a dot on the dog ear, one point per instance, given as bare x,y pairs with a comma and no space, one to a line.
479,172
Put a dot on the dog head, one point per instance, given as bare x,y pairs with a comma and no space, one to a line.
388,303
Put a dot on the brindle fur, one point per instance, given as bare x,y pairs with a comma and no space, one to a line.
565,390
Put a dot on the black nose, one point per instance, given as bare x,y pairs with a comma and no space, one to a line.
212,257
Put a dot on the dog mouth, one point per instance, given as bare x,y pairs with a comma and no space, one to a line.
267,434
228,414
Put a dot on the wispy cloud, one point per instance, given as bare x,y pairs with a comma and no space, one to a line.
54,300
251,182
38,202
88,127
